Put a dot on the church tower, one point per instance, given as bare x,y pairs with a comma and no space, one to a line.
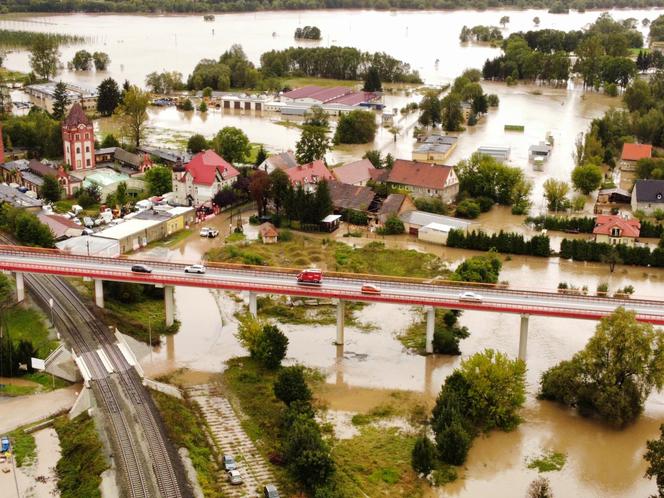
78,140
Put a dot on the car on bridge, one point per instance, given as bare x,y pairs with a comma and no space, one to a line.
470,296
370,289
194,269
141,269
312,276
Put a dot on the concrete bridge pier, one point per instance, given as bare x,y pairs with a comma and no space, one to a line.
20,287
523,337
99,292
169,305
253,304
431,321
341,305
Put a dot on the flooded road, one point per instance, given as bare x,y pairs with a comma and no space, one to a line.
365,373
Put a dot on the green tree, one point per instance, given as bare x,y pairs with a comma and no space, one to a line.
82,60
60,101
356,127
655,458
307,454
313,144
431,109
197,143
159,180
134,115
317,116
203,107
468,208
279,190
374,158
44,57
109,141
372,81
504,21
453,443
555,192
423,455
108,97
121,196
614,374
291,386
393,226
259,190
322,201
587,177
101,60
51,190
483,269
232,144
271,346
451,113
261,156
187,105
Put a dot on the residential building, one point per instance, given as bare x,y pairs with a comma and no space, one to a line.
613,229
105,155
435,149
648,196
203,176
355,173
499,153
61,227
42,95
169,157
611,199
425,179
353,197
78,139
138,162
30,174
308,175
268,233
394,205
414,221
631,154
282,161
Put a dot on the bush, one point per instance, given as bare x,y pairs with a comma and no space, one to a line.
291,385
453,444
285,235
602,288
308,456
393,226
270,347
446,340
468,208
482,269
540,488
423,455
485,203
431,205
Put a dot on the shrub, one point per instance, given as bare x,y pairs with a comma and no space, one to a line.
285,235
485,203
291,385
602,288
393,226
423,455
270,347
468,208
540,488
453,444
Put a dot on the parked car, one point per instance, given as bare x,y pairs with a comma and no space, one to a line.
208,232
270,491
235,477
195,269
141,269
370,289
470,296
4,444
229,463
312,276
88,222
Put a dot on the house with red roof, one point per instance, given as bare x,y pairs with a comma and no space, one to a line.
355,173
424,179
203,176
308,175
630,156
614,229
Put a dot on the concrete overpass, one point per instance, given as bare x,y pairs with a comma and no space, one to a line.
339,286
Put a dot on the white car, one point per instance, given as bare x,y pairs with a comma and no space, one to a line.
470,296
235,477
195,269
208,232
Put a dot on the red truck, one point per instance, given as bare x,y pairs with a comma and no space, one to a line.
312,277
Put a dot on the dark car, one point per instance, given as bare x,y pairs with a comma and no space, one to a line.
270,491
141,269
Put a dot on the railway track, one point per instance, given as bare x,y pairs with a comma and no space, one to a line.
87,335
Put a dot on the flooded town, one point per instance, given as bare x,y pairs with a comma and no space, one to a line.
293,250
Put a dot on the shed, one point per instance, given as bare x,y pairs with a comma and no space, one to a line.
268,233
414,220
331,222
434,232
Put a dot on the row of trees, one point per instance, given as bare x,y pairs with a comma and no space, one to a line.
480,33
307,33
503,242
562,223
582,250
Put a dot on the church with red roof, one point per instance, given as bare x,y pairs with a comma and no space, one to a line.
202,177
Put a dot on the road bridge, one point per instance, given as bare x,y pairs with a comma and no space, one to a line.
338,286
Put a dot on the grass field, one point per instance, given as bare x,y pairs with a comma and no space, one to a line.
24,447
29,324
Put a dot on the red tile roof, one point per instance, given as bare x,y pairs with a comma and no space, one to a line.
418,174
267,229
634,152
355,172
309,173
77,116
322,94
41,169
204,165
604,223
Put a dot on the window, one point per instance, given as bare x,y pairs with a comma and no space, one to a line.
78,137
87,162
87,148
615,232
87,136
78,150
78,163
